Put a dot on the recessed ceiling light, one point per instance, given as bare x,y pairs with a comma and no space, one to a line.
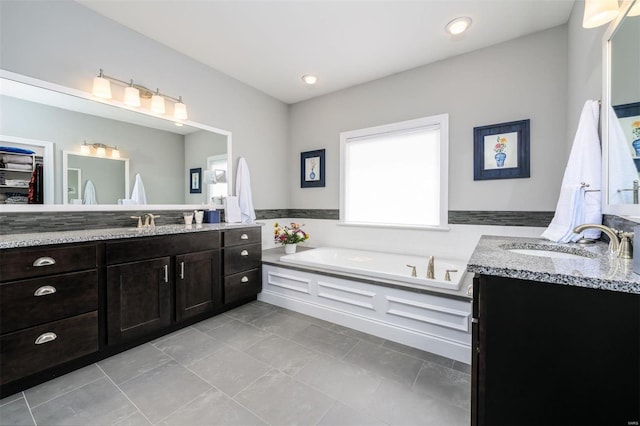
310,79
458,25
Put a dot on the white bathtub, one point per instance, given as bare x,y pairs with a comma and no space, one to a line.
387,266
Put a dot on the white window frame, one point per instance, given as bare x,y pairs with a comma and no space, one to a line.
442,121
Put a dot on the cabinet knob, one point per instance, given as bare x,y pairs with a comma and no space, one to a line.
244,237
44,290
244,279
44,261
46,337
244,253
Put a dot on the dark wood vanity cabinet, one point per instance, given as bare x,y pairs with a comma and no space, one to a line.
554,354
242,261
48,308
198,288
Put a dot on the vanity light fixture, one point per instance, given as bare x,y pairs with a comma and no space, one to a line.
133,92
635,9
458,25
310,79
100,148
599,12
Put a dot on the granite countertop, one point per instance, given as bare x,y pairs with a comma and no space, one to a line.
46,238
597,269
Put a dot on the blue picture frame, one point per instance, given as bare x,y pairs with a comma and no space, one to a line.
312,170
501,151
195,180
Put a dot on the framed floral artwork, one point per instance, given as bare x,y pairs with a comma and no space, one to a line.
501,151
195,179
312,169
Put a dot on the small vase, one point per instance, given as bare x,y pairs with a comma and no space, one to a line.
500,157
290,248
636,147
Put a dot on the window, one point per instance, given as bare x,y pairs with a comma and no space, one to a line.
396,174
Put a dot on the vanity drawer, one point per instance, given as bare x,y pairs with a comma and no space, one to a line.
242,236
58,342
242,258
243,285
37,301
16,264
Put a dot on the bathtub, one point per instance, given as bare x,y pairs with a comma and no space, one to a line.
388,266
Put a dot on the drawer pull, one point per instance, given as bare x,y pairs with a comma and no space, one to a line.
44,290
244,253
182,270
44,261
244,237
244,279
166,273
46,338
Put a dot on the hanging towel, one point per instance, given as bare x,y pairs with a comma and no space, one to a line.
575,205
138,194
232,209
243,192
622,169
89,194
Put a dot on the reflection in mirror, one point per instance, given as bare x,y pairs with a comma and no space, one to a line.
157,149
108,176
621,118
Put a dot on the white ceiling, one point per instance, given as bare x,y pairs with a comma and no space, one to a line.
269,45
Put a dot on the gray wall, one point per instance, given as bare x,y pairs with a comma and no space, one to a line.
66,43
519,79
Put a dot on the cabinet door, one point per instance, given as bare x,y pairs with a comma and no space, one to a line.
138,299
198,287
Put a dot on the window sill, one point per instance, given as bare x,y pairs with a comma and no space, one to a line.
444,228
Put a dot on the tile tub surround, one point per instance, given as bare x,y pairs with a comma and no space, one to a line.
202,375
603,271
61,237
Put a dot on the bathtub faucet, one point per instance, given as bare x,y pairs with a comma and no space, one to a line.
430,269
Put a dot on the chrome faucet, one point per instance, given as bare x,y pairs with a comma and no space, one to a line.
430,269
619,241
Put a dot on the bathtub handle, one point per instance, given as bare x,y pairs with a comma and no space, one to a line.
413,270
447,276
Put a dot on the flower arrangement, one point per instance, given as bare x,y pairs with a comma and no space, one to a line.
291,234
635,131
501,145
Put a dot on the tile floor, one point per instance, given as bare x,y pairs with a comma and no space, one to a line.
256,365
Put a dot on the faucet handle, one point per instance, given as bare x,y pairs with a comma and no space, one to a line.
150,219
625,249
447,276
139,220
413,270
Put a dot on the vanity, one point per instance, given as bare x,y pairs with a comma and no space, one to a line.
555,334
68,299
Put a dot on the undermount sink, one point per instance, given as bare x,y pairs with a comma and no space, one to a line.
548,253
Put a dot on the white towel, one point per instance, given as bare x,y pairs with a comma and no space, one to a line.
575,206
138,194
89,194
17,159
243,192
232,209
622,169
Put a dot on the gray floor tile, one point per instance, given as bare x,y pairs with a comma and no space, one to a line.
325,341
250,311
161,391
339,380
11,398
63,384
212,408
211,323
136,419
189,347
229,370
385,362
97,403
395,404
341,415
445,383
311,320
417,353
281,323
238,334
15,413
357,334
280,400
462,367
283,354
126,365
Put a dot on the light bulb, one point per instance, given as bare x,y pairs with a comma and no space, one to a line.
115,153
599,12
180,110
458,25
84,149
101,86
131,96
310,79
157,103
101,151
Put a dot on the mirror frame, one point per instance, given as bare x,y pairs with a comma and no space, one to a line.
37,208
612,209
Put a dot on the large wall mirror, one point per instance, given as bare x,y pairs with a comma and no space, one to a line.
150,149
621,116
